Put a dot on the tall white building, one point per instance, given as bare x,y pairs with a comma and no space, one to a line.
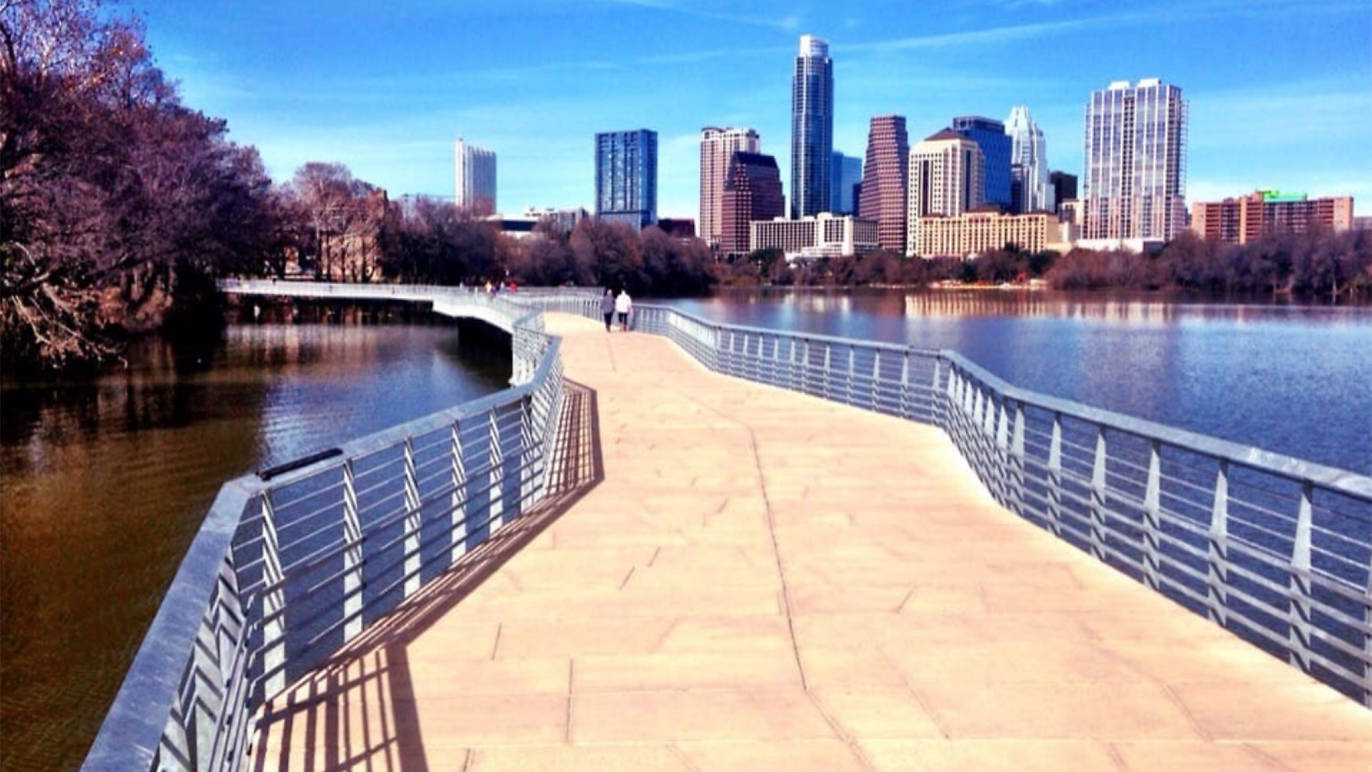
947,177
717,146
1028,163
474,175
1134,185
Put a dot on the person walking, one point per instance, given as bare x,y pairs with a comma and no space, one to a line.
623,304
607,307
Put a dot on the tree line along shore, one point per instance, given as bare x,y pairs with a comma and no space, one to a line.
120,206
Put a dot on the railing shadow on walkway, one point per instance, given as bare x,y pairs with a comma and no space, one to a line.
368,680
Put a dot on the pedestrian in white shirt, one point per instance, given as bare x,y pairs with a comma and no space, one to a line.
623,304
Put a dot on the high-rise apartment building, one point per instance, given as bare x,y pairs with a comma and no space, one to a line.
885,182
717,146
1135,152
474,178
845,172
1240,220
1029,191
812,126
626,177
947,177
995,144
1064,187
752,191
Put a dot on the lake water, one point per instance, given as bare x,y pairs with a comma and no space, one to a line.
103,484
1287,378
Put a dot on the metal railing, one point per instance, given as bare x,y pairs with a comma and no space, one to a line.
292,563
1275,549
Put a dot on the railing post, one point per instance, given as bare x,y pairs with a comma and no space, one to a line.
352,556
1152,521
273,606
905,408
1098,496
1017,462
1055,476
828,371
1298,614
457,506
1002,454
852,373
1217,551
495,500
412,522
876,377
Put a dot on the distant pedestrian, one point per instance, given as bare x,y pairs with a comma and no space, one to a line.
607,307
623,304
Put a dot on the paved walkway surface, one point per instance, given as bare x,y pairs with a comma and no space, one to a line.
764,580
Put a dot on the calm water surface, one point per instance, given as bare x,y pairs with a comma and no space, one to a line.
103,484
1292,379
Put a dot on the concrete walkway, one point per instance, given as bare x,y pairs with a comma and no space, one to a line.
764,580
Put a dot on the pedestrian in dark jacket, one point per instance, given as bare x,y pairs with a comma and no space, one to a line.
607,308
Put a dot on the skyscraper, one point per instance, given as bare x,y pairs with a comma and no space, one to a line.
947,178
1028,163
626,176
717,146
989,134
812,126
1135,151
1064,187
474,178
752,191
885,182
845,172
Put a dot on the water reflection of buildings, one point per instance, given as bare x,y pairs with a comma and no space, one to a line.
1127,310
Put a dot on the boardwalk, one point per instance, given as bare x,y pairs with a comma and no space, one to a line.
738,577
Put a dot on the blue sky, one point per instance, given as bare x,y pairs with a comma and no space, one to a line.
1280,90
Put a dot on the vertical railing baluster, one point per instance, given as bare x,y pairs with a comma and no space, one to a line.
412,522
352,556
1152,519
1217,551
828,370
906,408
1055,476
1017,462
495,501
1002,470
852,374
876,377
1098,493
273,606
1298,615
457,506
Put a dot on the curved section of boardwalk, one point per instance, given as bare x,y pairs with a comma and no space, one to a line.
765,580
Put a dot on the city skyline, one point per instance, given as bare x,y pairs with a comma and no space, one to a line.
392,118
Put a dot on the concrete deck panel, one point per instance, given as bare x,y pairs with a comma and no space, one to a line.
756,579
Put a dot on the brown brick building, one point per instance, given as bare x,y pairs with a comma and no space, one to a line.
1242,219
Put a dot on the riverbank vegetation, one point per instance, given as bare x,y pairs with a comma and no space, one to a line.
1320,265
